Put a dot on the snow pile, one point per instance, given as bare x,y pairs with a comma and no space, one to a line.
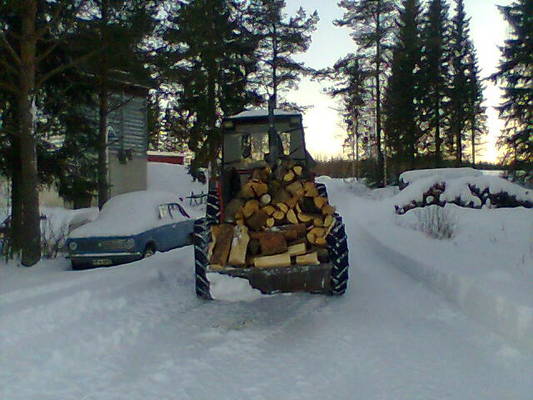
468,191
486,267
130,214
227,288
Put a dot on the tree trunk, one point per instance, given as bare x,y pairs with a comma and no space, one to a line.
103,110
31,234
438,151
378,107
17,224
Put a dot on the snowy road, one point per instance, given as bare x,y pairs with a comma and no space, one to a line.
138,332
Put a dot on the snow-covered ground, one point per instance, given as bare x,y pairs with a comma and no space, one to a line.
422,319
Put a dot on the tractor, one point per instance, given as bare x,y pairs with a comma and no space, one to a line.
283,235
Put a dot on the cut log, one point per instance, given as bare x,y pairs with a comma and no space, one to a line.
289,177
318,232
265,199
278,215
281,196
328,210
279,260
239,246
320,202
296,189
261,174
271,242
311,238
232,208
291,217
318,221
269,210
298,169
250,207
297,249
253,247
253,189
223,235
310,189
270,222
257,220
304,217
328,220
283,207
301,229
308,259
292,202
321,241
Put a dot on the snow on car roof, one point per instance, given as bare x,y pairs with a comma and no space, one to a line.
130,214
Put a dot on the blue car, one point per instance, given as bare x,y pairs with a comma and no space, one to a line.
129,227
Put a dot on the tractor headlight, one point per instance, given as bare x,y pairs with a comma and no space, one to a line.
73,246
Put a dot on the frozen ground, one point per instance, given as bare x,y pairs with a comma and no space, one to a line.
137,331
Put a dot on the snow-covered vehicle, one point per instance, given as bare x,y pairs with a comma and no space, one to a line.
131,226
267,220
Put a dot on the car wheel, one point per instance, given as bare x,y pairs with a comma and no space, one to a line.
149,250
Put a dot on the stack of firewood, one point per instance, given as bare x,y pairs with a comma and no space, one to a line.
278,219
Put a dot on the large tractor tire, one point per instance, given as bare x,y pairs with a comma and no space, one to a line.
338,251
338,255
201,240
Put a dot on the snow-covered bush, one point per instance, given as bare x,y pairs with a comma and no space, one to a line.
437,222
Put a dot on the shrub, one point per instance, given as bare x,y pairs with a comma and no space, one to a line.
436,222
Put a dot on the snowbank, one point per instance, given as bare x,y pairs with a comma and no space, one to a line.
486,269
227,288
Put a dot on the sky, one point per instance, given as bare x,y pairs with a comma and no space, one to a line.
324,131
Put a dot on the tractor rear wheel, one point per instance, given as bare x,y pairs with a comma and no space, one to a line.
200,241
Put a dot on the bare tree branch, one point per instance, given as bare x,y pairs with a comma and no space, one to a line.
9,48
64,67
47,52
9,87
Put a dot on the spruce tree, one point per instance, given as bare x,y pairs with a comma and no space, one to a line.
403,92
515,73
372,25
460,46
280,38
435,75
476,122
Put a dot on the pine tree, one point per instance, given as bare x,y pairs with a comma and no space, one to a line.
515,72
372,23
435,81
280,38
210,57
30,34
403,92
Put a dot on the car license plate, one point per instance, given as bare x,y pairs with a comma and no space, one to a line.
102,261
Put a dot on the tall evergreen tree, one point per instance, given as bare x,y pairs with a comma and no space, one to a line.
210,57
372,24
435,59
460,46
30,34
515,73
403,92
280,38
476,122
